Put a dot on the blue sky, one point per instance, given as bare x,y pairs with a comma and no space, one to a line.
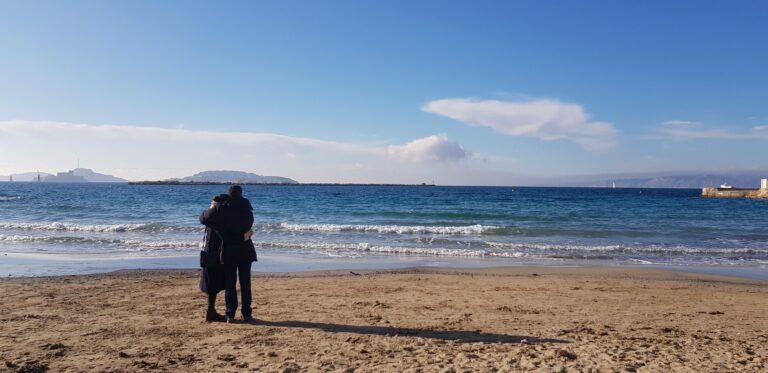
459,92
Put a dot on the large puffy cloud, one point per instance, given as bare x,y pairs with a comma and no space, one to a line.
436,148
544,119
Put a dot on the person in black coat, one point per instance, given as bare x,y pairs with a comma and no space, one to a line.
239,253
212,276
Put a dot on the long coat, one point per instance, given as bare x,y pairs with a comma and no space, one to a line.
212,279
232,219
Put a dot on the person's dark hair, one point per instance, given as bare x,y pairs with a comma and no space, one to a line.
221,198
235,191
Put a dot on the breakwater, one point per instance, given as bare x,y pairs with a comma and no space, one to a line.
761,193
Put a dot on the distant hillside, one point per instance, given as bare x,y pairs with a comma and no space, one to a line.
95,177
26,176
736,179
78,175
65,177
236,177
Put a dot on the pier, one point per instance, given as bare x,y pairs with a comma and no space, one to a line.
761,193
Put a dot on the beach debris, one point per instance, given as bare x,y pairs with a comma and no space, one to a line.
374,317
380,305
669,330
123,354
226,357
716,313
355,273
188,359
52,346
145,364
291,368
566,354
28,366
518,309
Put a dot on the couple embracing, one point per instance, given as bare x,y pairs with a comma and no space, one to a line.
227,254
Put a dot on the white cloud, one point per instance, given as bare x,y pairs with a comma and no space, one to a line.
175,135
695,131
151,153
544,119
679,123
435,148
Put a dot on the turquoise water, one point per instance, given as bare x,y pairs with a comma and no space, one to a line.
358,223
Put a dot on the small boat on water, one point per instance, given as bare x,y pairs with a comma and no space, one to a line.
725,186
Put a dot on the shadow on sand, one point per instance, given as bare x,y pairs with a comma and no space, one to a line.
461,336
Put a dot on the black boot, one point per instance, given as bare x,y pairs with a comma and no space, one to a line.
212,316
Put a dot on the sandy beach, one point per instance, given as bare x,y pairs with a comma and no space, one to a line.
447,320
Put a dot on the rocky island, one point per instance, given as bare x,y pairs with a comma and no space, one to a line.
223,177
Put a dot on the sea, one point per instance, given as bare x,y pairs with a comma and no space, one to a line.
61,229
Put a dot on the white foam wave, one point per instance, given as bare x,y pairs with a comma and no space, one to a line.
365,247
153,245
391,229
108,243
74,227
651,249
9,198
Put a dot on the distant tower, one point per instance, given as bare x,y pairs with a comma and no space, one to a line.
11,179
764,184
38,177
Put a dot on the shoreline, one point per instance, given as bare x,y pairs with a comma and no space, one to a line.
18,265
430,319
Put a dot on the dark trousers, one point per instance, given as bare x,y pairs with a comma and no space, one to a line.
232,272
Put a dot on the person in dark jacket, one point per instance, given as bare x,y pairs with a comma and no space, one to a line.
212,276
239,253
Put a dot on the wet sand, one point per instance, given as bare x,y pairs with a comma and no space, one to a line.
505,319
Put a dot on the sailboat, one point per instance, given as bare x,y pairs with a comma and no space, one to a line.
614,185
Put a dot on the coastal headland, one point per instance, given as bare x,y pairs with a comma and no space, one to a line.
502,319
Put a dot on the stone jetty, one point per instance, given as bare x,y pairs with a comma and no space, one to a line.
737,192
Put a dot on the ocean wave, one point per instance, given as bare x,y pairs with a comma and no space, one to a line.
9,198
364,247
509,250
650,249
116,228
160,244
391,229
101,242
